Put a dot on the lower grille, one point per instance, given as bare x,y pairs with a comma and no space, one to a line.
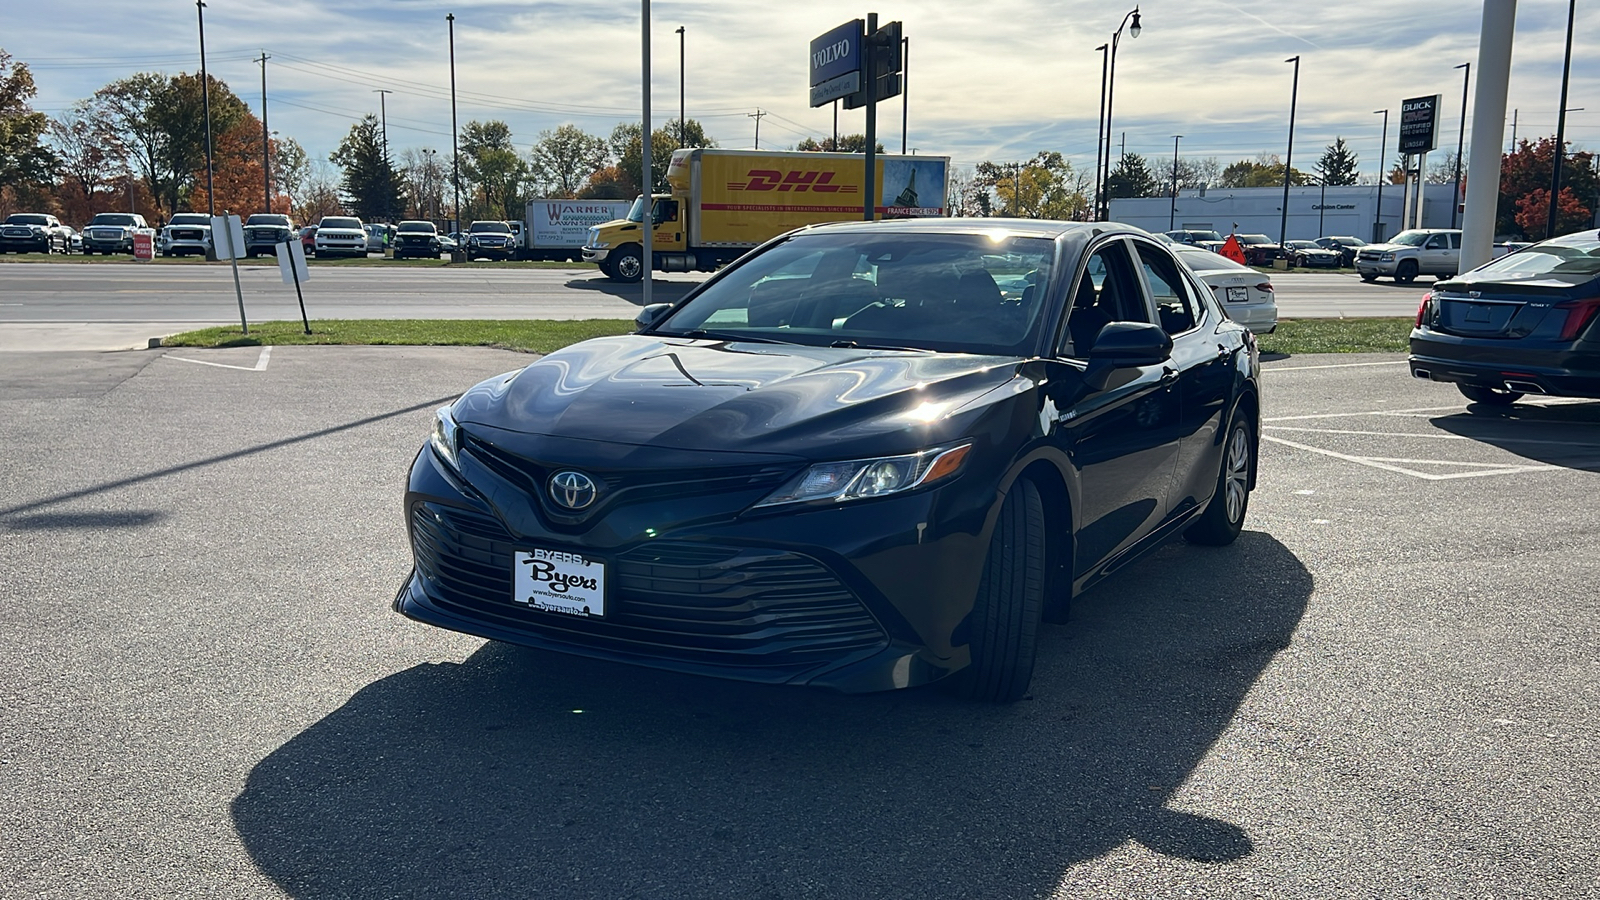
687,601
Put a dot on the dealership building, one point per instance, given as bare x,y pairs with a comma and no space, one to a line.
1313,211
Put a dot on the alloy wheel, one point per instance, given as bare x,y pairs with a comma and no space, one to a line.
1236,480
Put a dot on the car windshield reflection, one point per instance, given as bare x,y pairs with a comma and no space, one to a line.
953,292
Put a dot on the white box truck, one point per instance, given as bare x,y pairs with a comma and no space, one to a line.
557,229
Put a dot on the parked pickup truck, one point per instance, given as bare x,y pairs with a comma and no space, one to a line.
263,232
34,233
109,233
1417,251
185,233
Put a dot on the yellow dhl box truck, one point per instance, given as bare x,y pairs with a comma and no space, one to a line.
724,202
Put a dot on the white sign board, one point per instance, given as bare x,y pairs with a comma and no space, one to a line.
292,262
566,223
227,236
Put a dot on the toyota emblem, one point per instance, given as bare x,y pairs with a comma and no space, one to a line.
573,490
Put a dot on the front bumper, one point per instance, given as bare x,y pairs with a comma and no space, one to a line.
97,245
177,247
596,254
850,598
1376,267
37,244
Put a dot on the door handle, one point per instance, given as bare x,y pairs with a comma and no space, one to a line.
1222,351
1169,376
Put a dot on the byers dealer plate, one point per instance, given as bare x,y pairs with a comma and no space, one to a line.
1238,295
561,582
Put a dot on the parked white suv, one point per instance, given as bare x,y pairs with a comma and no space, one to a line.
341,236
1417,251
185,233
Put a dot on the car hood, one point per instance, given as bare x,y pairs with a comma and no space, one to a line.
1387,248
706,395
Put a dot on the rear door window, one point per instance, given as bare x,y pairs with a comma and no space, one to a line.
1175,307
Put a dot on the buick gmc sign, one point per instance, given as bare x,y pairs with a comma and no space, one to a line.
1419,124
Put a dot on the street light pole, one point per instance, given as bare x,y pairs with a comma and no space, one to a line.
683,116
383,118
205,94
1383,175
1172,213
905,90
455,142
647,224
266,141
1100,135
1461,142
1561,126
1288,154
1111,89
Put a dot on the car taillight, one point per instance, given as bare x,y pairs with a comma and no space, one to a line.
1422,308
1579,314
1265,286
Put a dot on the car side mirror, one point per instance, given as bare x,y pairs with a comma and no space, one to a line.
651,314
1125,345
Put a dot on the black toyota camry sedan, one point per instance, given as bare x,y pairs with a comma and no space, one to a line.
865,456
1522,324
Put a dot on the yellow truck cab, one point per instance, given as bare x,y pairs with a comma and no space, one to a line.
725,202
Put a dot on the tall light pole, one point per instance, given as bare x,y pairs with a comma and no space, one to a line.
1172,213
1461,143
647,225
1111,89
205,94
905,90
455,142
683,115
266,141
1100,135
1288,154
1561,126
1383,175
383,118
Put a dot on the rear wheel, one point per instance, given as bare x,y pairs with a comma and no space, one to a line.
1010,602
1223,519
1489,396
1407,272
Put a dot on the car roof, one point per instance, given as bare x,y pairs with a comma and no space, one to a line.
1045,228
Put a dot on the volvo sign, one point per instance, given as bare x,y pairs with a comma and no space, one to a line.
835,63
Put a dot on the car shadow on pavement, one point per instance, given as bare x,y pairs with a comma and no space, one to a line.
1563,434
661,291
525,773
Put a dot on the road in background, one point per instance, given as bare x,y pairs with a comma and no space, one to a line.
103,306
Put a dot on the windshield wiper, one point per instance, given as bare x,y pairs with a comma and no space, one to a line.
857,345
703,334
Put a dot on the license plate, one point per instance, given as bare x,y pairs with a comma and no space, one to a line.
559,582
1238,295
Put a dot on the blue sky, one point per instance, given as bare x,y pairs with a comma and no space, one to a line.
998,80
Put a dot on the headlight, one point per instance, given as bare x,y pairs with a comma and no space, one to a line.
860,478
446,438
1387,257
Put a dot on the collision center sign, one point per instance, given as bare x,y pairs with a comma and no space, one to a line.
1419,124
835,63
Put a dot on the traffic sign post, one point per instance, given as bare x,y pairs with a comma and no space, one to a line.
292,264
227,240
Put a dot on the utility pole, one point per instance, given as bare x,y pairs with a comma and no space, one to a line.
1172,214
683,115
1561,126
266,141
757,116
1288,154
1514,130
455,142
388,172
1461,143
205,94
1383,175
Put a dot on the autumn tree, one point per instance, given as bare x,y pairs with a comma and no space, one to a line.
180,115
849,143
24,158
1040,188
562,160
1526,173
494,171
239,177
90,158
1265,170
627,149
1338,164
290,168
426,178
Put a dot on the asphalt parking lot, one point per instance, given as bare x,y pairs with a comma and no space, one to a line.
1386,688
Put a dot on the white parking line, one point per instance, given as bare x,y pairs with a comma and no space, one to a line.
260,366
1435,437
1358,415
1390,464
1397,362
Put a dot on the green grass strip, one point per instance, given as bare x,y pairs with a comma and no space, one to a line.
526,335
1377,335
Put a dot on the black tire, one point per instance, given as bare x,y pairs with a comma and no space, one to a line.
1010,602
1224,516
1406,272
627,264
1368,277
1489,396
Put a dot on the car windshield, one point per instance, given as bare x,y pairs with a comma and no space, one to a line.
340,222
1301,245
1206,261
1348,241
1254,239
1572,259
949,292
264,219
1205,236
189,219
490,228
27,219
424,227
1410,238
112,219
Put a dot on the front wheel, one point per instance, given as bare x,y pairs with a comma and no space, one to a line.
628,264
1010,603
1489,396
1368,277
1223,519
1407,272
